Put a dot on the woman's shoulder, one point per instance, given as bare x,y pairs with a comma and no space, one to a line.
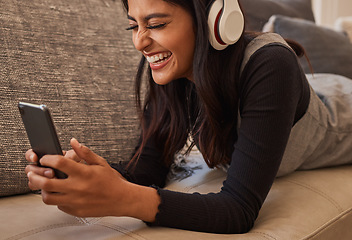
268,47
259,40
272,64
270,61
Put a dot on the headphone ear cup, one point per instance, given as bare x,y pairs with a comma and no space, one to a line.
226,23
231,23
214,16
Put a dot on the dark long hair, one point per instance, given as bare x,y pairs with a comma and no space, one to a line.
216,76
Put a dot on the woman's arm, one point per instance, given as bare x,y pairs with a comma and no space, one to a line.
269,105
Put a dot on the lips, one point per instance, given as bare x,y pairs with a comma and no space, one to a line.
159,60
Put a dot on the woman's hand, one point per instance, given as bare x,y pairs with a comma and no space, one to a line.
32,158
93,189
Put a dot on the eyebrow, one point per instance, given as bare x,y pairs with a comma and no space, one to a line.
150,16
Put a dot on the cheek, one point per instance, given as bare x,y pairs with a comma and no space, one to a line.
186,51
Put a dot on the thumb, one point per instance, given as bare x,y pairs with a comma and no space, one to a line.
86,154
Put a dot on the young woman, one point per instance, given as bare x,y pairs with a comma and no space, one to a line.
248,107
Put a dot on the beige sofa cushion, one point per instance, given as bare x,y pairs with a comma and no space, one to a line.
304,205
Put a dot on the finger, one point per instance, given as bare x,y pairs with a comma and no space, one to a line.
72,154
52,198
86,154
44,183
61,163
32,187
64,164
30,184
31,156
45,172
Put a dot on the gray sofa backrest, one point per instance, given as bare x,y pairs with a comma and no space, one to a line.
75,57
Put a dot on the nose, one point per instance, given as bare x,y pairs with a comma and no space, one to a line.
141,39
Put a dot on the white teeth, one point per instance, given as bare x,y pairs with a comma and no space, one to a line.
158,57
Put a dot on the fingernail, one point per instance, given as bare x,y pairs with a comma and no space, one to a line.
31,157
74,139
48,173
29,173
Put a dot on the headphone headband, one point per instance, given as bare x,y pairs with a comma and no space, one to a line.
226,23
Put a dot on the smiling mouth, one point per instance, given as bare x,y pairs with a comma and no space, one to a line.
159,58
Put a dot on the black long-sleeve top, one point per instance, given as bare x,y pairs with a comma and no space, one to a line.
274,95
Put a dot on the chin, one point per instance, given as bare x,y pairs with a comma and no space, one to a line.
162,80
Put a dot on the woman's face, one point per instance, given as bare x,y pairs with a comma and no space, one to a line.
164,33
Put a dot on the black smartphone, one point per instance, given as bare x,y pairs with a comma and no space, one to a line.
41,131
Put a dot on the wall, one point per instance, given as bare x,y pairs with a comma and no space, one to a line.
327,11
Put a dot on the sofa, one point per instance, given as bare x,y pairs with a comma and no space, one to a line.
76,58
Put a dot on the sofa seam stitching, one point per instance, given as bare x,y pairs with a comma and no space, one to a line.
266,235
122,230
56,226
324,195
42,229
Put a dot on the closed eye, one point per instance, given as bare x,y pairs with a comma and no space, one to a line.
149,27
156,26
131,27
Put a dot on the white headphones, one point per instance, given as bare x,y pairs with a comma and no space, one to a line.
226,23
